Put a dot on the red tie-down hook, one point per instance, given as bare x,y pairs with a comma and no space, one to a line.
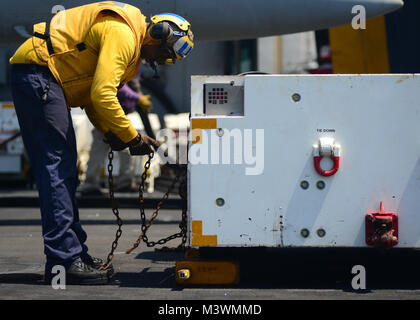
326,148
382,229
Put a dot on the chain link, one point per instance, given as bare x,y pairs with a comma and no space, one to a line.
144,227
115,211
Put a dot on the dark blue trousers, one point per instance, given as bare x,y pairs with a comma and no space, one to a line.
49,139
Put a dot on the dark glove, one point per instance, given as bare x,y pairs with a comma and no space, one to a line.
142,145
115,143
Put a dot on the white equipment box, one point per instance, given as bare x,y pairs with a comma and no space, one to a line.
310,160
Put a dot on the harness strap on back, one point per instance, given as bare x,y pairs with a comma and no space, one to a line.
46,37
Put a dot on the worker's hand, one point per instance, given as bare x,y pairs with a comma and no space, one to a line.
115,143
144,103
142,145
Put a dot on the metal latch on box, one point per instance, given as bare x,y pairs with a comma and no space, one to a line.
382,229
326,147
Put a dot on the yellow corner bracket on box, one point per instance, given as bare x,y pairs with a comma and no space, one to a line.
198,239
197,125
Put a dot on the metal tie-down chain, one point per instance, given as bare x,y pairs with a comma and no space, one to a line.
144,227
114,205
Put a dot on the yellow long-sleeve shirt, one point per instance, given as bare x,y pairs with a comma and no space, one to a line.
115,43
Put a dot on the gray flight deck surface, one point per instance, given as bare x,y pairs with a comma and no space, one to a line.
148,274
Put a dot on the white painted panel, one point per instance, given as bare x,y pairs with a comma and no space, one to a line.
375,119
